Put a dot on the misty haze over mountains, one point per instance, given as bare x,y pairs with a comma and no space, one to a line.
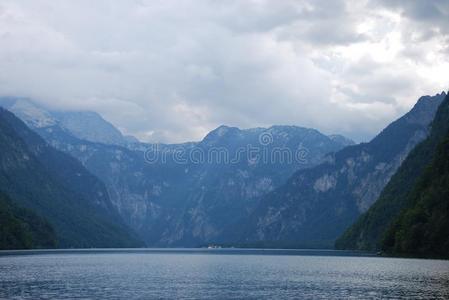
175,203
172,71
248,201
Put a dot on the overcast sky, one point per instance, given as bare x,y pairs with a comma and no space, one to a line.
170,71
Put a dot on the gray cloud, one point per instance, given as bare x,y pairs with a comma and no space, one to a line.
171,71
434,11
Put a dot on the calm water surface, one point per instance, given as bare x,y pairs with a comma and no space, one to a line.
218,274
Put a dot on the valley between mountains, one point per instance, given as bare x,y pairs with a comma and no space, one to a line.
71,179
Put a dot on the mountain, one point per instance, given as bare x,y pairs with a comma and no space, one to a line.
316,204
85,125
90,126
219,193
338,138
22,229
188,194
57,187
412,201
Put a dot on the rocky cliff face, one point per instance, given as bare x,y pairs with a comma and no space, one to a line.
188,194
317,204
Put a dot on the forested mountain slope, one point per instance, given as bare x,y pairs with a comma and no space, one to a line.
20,228
58,188
406,188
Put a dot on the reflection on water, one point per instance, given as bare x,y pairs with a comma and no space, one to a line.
226,274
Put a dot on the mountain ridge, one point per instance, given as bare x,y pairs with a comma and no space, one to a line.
366,233
317,204
57,187
178,203
190,203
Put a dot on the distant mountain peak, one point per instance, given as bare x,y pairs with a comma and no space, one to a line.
85,125
289,127
220,132
424,110
32,114
341,139
223,130
279,134
90,126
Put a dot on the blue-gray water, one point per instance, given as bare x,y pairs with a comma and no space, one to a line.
218,274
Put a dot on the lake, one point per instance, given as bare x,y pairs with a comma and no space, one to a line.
217,274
